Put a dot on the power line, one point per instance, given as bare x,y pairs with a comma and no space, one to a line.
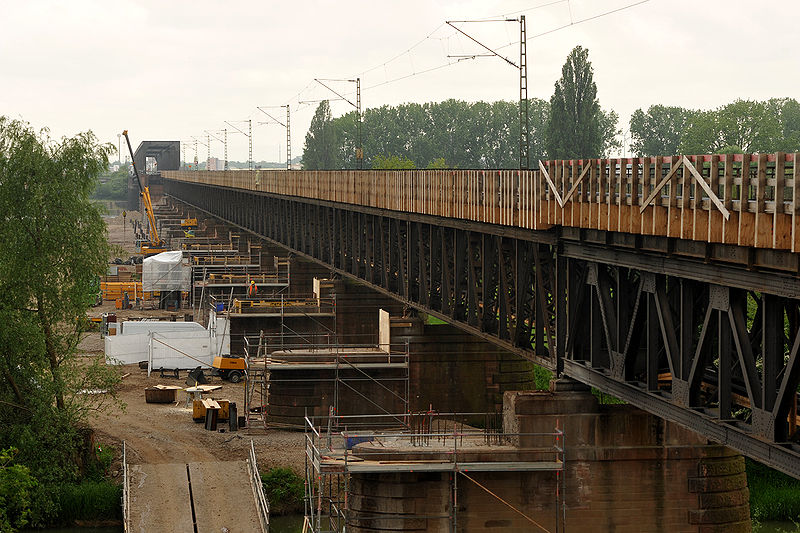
301,104
581,21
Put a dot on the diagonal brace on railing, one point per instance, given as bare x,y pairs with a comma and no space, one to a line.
578,181
684,161
700,181
552,185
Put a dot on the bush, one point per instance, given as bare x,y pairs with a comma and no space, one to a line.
16,485
91,500
99,463
773,495
542,377
285,491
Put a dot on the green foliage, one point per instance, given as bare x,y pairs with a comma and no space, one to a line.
284,490
392,162
115,188
542,377
462,134
52,249
577,127
606,399
322,141
16,486
609,132
743,126
99,463
437,164
773,495
660,130
91,500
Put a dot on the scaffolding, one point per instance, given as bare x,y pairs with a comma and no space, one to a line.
427,443
350,368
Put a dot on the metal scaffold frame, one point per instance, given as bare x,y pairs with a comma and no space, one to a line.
350,364
427,442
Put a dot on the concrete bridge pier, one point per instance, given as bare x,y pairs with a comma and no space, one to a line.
626,471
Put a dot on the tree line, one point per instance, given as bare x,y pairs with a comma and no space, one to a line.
459,134
571,125
742,126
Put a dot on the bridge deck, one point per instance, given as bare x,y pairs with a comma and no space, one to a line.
745,200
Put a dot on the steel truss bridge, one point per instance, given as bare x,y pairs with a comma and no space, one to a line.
671,283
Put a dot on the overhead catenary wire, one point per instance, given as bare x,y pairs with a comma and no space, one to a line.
301,104
468,57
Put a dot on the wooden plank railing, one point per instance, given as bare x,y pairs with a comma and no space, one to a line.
491,196
746,200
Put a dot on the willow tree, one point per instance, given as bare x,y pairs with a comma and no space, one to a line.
53,246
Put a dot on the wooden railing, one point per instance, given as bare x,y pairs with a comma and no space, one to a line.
745,200
491,196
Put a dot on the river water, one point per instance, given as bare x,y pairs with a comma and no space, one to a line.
294,524
277,524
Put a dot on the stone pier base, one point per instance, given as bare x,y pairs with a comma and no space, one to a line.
627,471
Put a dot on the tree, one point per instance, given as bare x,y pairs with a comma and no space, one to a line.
573,128
702,134
751,125
320,152
742,126
393,162
789,111
466,135
660,130
609,132
437,164
53,247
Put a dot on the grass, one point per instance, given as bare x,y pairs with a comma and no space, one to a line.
773,495
90,500
284,490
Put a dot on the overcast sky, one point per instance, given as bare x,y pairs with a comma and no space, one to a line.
172,69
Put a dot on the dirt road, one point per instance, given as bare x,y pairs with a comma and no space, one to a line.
166,433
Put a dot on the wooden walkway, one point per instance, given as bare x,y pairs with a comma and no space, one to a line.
192,498
747,200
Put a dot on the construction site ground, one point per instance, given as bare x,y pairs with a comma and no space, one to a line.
161,434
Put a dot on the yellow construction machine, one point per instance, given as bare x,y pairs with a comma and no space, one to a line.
229,367
155,245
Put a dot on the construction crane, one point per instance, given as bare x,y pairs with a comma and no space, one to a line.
155,245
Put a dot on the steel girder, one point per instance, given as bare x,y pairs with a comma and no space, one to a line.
711,347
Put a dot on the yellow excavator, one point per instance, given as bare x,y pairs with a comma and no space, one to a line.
155,245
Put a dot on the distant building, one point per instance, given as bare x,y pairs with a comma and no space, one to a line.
215,164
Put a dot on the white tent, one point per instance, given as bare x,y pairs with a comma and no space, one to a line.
167,271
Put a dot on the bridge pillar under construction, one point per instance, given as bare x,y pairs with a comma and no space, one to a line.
626,471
